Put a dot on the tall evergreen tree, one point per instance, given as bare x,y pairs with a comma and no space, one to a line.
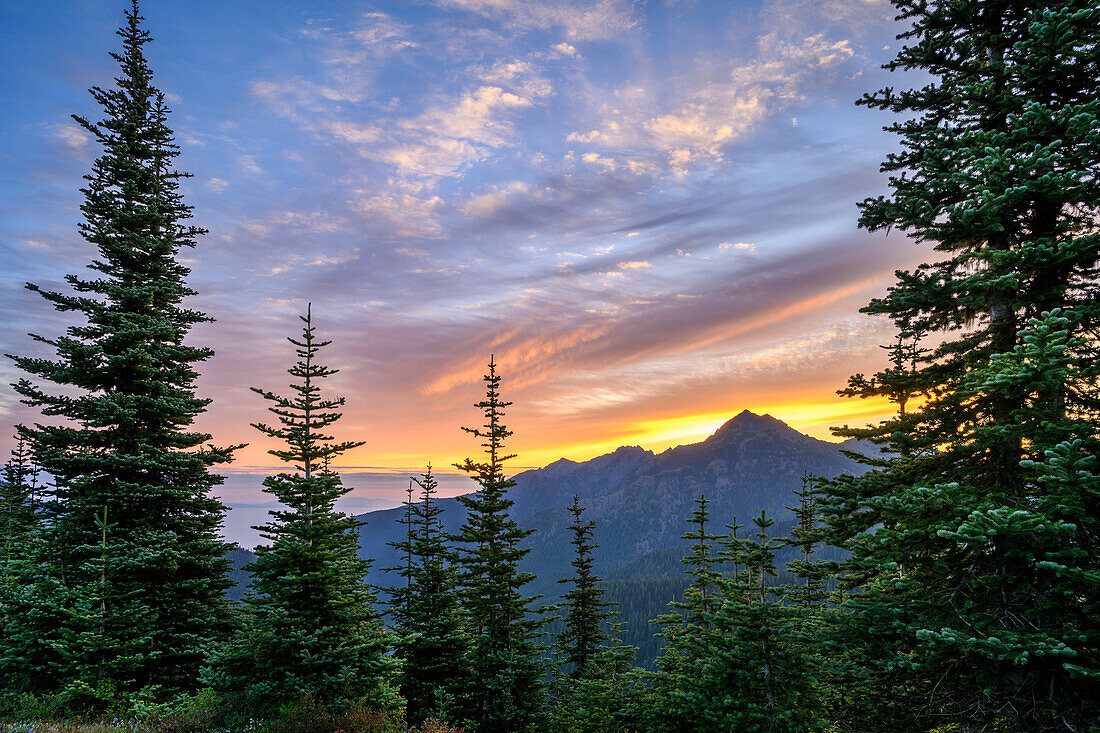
125,447
586,613
19,522
310,625
735,658
431,636
506,693
759,674
398,594
687,632
594,686
975,554
805,537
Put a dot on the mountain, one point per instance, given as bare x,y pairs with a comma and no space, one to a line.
640,502
238,557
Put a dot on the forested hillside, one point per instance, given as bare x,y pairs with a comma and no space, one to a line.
640,502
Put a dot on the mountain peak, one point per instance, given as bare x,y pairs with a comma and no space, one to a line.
561,463
746,420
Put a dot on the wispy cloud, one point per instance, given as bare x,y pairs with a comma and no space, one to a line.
578,21
707,114
621,210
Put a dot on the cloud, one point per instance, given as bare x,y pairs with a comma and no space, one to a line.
296,261
707,115
487,204
351,57
355,133
566,49
378,35
739,246
580,21
74,137
446,138
518,75
404,215
249,165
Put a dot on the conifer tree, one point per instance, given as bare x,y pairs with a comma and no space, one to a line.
805,537
125,390
976,583
758,674
740,663
431,637
310,627
398,594
17,502
18,519
585,611
687,632
594,687
506,692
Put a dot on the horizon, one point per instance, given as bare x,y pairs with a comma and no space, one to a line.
646,211
377,488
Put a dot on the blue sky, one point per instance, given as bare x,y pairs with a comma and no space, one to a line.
646,210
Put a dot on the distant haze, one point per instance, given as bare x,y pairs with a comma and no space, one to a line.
373,490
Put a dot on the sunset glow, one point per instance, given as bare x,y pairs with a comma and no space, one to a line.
646,212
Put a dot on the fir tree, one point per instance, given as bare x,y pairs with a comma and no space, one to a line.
399,593
735,660
586,613
310,627
128,400
432,639
687,632
594,687
506,692
976,582
17,569
805,538
18,517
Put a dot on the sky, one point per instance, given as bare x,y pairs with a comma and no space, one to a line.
646,211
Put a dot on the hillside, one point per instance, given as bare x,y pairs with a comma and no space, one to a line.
640,500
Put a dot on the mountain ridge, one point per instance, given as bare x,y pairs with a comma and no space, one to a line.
639,499
640,502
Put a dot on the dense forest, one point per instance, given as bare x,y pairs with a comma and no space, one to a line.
954,585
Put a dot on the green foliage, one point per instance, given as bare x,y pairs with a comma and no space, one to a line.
806,536
506,691
735,657
209,712
428,621
585,611
608,698
593,687
19,520
126,395
18,512
309,625
974,555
